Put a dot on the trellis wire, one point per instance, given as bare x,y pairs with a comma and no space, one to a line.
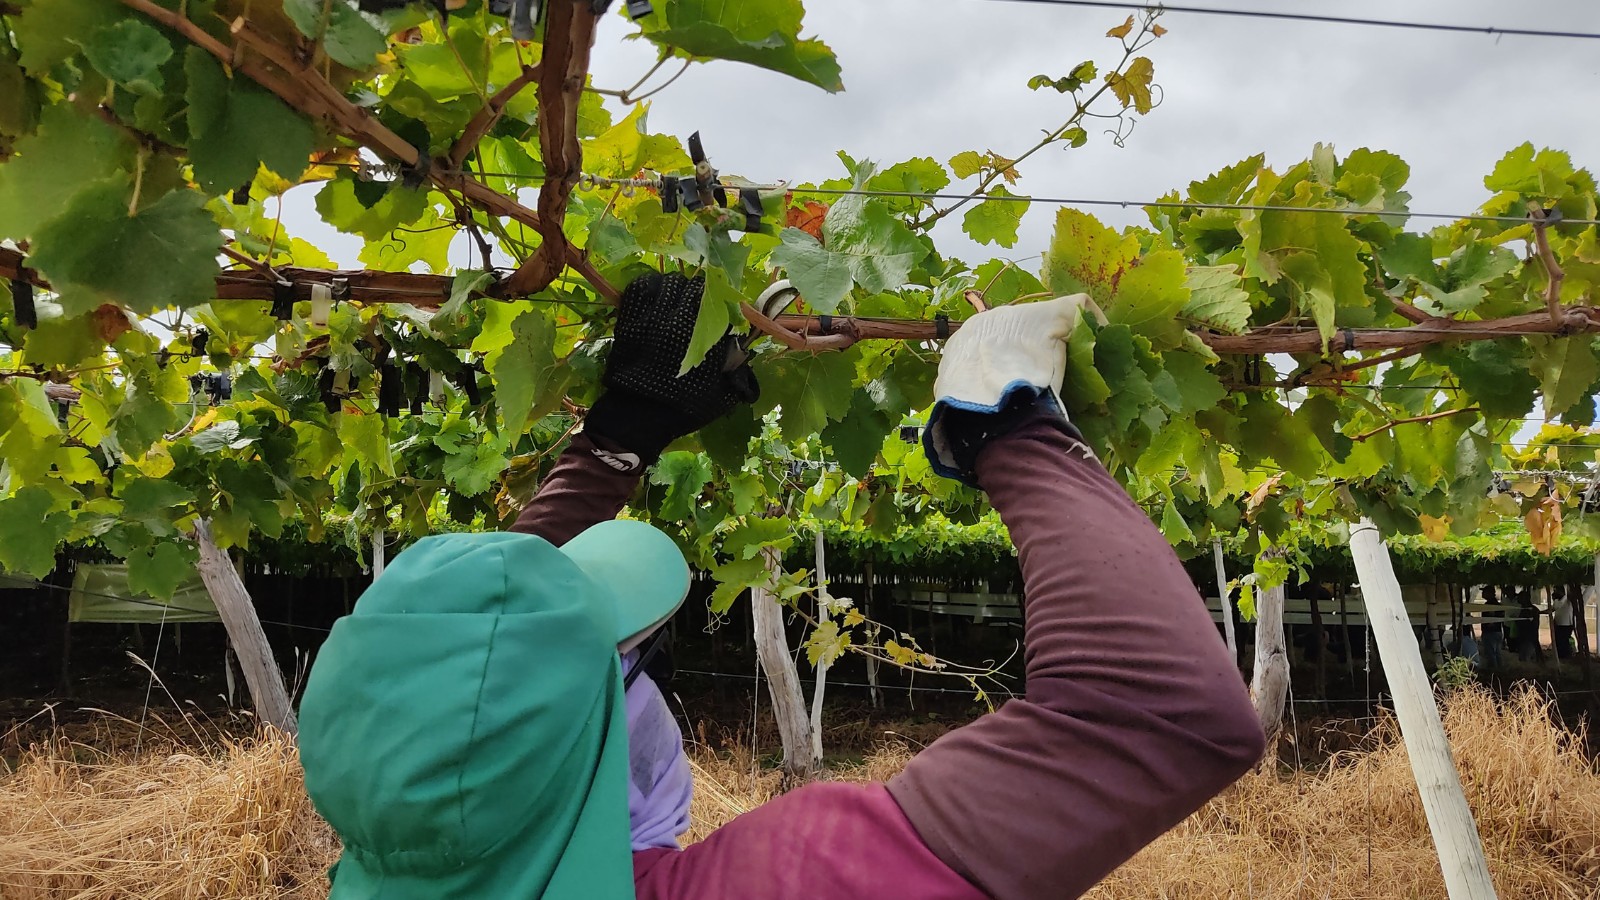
1490,30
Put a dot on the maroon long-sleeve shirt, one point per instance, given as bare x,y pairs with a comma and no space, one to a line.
1134,715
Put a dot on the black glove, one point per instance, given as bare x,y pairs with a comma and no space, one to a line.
646,404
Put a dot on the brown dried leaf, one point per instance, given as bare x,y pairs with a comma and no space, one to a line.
1544,525
111,322
808,218
1123,30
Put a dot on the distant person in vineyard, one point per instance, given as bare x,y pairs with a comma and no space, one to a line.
1494,630
469,733
1527,629
1561,623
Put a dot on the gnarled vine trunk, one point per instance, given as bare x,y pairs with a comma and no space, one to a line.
1269,681
783,680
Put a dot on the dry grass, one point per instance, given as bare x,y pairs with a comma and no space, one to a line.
230,819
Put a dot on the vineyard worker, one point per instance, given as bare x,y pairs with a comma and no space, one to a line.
478,750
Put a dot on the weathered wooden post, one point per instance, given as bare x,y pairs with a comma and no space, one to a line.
824,611
1224,593
1455,834
261,673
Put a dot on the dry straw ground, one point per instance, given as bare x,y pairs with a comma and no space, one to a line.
229,819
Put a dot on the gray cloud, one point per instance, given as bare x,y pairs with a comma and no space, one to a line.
935,77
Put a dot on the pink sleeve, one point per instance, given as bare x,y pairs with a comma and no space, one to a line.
827,839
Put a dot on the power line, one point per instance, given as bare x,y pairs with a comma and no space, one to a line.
1491,30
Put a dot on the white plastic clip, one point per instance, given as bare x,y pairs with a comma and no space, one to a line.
321,304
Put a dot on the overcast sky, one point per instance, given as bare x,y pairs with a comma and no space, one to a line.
936,77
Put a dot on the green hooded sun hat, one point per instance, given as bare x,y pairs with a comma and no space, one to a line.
464,729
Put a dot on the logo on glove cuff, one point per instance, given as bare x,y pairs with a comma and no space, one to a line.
622,462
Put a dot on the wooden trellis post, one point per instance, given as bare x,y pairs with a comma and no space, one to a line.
261,673
1227,607
1455,834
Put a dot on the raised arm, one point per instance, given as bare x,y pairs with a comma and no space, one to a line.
646,405
1134,714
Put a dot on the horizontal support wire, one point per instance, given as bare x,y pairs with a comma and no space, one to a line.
1490,30
654,182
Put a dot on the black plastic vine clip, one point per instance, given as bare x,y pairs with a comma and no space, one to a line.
23,312
283,300
638,9
391,392
330,400
705,189
941,326
419,377
750,199
669,194
198,342
241,195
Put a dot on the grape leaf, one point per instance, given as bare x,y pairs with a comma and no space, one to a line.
223,435
61,340
1149,296
810,390
30,531
685,475
364,440
1084,383
826,643
857,438
339,206
1087,257
1411,256
236,126
727,439
1495,374
427,242
1217,300
51,33
616,152
1199,387
733,578
1566,368
158,571
966,163
995,221
747,539
474,469
29,433
763,33
96,252
1116,358
863,242
346,35
822,276
130,53
149,502
718,305
1132,86
521,357
70,150
918,175
146,412
1173,527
